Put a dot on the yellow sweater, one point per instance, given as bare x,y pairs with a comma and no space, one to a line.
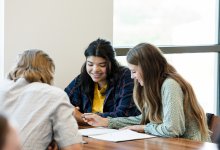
98,100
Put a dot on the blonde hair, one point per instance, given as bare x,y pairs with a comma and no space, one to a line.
155,70
35,66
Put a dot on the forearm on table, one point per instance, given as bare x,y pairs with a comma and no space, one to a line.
121,122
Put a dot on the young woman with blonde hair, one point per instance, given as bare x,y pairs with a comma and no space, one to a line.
42,111
166,100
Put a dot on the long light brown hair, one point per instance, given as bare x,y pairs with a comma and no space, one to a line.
156,69
35,66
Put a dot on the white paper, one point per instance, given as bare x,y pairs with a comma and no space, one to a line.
122,135
96,131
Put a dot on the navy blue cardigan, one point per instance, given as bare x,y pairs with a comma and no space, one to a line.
118,101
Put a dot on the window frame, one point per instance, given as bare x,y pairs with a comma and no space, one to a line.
178,49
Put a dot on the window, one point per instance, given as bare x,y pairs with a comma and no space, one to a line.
170,22
174,23
200,74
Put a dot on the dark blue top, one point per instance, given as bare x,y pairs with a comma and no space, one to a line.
118,101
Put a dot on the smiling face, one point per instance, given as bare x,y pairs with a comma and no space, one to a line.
96,67
136,73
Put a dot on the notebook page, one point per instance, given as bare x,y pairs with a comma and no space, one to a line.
96,131
122,135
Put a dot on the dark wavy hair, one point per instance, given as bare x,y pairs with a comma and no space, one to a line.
104,49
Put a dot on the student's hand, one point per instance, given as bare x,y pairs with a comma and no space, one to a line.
77,114
137,128
95,120
53,145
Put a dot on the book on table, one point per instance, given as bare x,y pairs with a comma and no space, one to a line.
113,134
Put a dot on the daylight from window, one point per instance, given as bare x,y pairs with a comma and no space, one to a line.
174,23
165,22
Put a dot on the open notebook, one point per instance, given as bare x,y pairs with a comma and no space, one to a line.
113,134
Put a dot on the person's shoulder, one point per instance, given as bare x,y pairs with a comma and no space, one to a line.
123,68
6,84
6,81
77,79
124,71
75,82
47,89
13,84
124,76
170,85
170,82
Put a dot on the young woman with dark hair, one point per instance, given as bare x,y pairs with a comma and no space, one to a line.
104,86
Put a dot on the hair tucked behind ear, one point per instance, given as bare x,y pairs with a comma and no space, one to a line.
155,70
34,66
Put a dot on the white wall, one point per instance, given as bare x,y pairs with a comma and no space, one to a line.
62,28
1,38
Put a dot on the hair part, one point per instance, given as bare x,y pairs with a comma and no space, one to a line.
100,48
35,66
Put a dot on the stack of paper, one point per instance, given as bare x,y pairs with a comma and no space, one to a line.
113,134
96,131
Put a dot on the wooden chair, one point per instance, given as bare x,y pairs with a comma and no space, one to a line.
214,125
